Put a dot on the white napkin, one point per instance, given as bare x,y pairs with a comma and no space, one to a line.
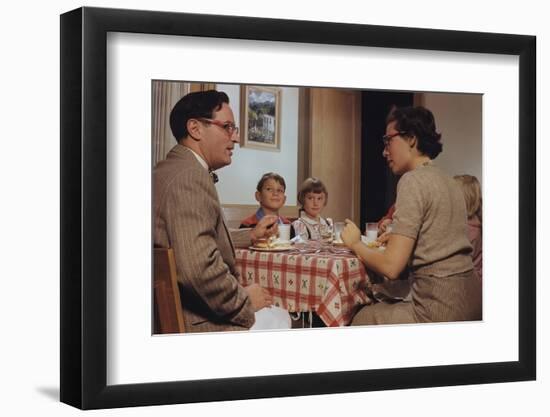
297,239
270,318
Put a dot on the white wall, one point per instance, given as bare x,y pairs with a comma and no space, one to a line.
238,181
29,214
458,118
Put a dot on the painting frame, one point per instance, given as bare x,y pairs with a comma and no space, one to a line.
83,310
262,137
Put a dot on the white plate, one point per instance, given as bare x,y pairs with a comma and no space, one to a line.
273,249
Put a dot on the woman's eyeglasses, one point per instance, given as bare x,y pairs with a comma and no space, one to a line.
386,139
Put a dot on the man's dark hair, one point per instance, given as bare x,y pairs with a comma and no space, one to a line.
193,106
419,122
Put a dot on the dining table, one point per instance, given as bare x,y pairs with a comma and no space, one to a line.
314,277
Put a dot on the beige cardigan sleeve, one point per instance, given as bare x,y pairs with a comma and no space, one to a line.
241,237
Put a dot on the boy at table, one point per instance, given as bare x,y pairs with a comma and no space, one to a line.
270,193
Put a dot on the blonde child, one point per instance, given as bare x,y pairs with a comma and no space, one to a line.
313,197
472,195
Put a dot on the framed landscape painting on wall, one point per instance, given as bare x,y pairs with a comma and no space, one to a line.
260,117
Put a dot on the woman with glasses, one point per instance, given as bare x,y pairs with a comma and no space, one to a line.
429,231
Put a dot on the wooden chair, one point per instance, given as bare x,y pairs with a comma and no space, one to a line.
168,311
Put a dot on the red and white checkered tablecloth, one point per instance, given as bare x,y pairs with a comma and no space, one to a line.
332,285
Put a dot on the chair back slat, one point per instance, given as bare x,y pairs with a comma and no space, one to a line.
168,310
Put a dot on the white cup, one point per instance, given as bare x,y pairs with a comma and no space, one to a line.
284,232
371,231
338,228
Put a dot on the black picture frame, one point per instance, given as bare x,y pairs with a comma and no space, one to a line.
84,207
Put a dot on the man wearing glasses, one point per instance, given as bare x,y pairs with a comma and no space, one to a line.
188,217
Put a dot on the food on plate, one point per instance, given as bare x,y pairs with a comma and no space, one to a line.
374,244
271,243
263,243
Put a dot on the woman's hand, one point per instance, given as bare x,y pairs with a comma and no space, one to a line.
383,238
383,225
351,235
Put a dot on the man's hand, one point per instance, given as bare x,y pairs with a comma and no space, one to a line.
259,297
266,227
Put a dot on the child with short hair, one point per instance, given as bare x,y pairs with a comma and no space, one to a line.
313,197
472,196
270,193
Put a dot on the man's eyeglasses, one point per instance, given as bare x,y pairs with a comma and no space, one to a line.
229,127
386,139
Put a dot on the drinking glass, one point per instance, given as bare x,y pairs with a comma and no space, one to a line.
371,231
338,228
284,232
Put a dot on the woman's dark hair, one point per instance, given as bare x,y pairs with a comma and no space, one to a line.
270,176
193,106
311,185
419,122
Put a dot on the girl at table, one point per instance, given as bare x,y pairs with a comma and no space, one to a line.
472,196
429,231
313,198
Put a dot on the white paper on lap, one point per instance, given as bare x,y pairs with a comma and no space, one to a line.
271,318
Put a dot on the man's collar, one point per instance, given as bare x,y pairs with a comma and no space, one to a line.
203,163
199,158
